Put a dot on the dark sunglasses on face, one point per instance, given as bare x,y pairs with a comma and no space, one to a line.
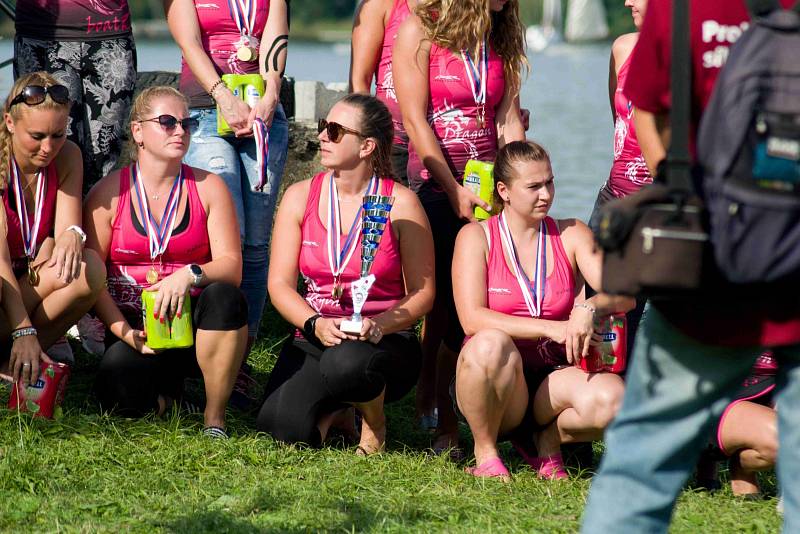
169,123
33,95
335,130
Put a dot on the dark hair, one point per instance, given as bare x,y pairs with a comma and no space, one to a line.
515,152
376,122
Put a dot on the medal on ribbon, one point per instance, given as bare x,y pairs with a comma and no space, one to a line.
339,256
158,234
477,78
261,135
532,291
29,233
243,13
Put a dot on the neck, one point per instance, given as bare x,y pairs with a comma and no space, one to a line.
351,183
523,227
26,167
157,171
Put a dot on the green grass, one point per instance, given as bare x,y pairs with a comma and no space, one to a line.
88,472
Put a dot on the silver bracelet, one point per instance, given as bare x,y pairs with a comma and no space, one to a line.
22,332
585,306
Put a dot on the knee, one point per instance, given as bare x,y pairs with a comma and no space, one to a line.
768,444
287,429
488,352
348,372
605,403
228,305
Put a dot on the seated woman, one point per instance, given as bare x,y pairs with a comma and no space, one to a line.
323,369
169,228
54,281
515,279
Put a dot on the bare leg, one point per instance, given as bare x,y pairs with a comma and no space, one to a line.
749,432
373,424
219,354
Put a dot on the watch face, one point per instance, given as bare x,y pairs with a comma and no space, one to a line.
196,270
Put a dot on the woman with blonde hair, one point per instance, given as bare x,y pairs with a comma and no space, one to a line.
54,281
457,66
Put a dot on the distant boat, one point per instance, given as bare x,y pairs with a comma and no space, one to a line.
542,35
586,21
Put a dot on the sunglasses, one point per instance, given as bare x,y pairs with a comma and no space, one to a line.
335,130
169,123
33,95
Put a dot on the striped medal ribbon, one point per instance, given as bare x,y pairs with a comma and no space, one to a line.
158,234
261,135
243,13
477,80
338,256
532,292
29,234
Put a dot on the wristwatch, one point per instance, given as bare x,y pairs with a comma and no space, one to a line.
196,272
309,325
79,231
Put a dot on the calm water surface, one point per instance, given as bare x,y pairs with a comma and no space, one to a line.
566,93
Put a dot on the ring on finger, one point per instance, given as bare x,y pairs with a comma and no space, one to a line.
26,364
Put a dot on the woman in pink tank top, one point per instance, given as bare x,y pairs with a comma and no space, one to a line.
51,280
516,277
170,229
327,367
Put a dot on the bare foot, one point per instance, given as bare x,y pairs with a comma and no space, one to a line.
743,483
373,438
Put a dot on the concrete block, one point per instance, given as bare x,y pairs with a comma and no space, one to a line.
313,100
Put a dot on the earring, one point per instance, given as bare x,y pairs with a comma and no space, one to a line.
141,144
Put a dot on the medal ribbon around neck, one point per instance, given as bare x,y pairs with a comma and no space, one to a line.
243,13
29,235
261,134
158,234
339,257
533,293
477,78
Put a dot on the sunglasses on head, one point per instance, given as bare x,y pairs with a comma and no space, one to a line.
169,123
33,95
335,130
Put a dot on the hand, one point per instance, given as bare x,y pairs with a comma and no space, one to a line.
464,201
24,362
580,334
171,294
328,333
137,340
236,112
370,331
66,257
265,108
525,117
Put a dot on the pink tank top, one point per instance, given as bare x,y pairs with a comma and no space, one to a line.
452,114
47,224
219,35
313,263
629,170
384,81
129,254
504,295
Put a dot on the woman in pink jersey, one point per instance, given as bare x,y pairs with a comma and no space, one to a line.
54,281
165,227
457,76
516,277
323,370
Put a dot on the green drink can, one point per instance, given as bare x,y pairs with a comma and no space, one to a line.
247,87
173,333
479,178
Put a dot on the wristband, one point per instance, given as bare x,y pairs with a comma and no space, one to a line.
214,87
586,307
78,230
22,332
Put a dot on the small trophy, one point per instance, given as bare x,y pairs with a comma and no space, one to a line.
376,214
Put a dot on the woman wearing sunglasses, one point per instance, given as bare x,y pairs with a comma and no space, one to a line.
324,370
54,281
164,227
457,76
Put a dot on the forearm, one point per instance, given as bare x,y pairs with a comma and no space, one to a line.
290,304
517,327
274,44
108,312
406,312
226,269
430,153
605,304
12,303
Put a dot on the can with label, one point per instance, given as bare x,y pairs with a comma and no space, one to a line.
479,178
247,87
611,355
173,333
41,398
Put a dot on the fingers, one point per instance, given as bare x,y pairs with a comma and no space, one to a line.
587,341
163,306
45,358
568,346
179,309
76,265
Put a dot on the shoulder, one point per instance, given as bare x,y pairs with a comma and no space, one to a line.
411,31
623,46
574,232
67,159
104,193
208,184
375,10
295,197
473,235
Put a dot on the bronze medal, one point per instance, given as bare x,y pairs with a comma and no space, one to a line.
152,275
336,292
33,276
481,117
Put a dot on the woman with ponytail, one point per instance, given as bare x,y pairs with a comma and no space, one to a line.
53,281
324,369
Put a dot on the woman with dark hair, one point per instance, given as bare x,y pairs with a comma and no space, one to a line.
456,70
324,370
515,278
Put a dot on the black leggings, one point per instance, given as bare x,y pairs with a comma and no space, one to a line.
130,383
309,382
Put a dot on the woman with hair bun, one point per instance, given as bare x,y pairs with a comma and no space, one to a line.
323,370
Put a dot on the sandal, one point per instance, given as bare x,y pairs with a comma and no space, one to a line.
549,467
494,468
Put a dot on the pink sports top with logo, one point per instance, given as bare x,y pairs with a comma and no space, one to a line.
384,81
129,254
452,114
219,35
313,263
15,247
629,170
504,295
73,20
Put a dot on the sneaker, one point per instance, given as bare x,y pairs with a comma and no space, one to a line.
779,506
242,396
215,432
92,332
61,352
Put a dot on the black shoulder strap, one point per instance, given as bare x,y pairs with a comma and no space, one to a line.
760,8
678,161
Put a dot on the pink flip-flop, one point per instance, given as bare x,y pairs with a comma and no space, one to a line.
549,467
494,468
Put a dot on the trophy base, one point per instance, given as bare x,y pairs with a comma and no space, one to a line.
349,326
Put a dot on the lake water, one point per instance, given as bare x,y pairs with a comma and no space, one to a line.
566,92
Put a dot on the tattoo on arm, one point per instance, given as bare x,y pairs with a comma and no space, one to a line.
280,44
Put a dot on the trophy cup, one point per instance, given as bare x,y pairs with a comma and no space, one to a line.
376,214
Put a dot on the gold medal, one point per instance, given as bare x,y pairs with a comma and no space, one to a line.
246,54
152,275
336,292
33,276
481,117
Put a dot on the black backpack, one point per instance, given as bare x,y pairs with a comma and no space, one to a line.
749,151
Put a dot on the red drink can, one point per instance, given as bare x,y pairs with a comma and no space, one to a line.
45,394
612,354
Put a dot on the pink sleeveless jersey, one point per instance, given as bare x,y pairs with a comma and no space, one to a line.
384,81
219,35
452,114
504,295
313,263
47,224
129,254
629,170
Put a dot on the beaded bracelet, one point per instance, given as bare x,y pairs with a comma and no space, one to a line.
214,87
585,306
22,332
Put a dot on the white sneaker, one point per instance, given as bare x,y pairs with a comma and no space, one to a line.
61,352
92,333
